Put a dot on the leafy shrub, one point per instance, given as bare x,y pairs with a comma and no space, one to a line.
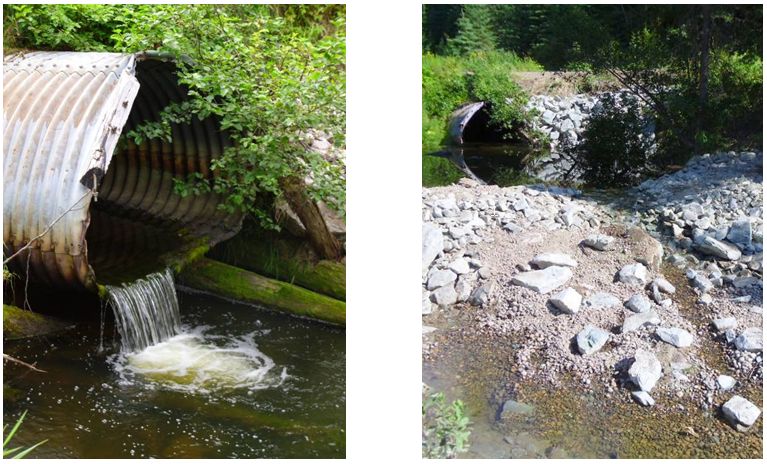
446,428
450,81
613,151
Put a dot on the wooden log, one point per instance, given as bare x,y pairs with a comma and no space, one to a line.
283,258
232,282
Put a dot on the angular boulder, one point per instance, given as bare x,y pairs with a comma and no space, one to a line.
567,301
719,249
638,303
645,371
445,296
740,232
633,274
591,339
749,340
740,413
598,242
602,300
680,338
544,260
638,320
440,279
432,243
544,280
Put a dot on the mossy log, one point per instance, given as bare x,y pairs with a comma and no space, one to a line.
285,259
19,323
239,284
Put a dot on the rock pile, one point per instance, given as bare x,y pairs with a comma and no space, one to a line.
586,296
562,118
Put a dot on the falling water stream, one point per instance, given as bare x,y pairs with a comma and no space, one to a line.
146,311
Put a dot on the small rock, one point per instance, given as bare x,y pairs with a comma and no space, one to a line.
481,296
545,260
645,371
680,338
431,244
750,340
638,320
512,407
638,303
664,285
643,398
705,299
599,242
633,274
568,300
725,323
426,305
591,339
545,280
602,300
714,247
440,279
740,413
484,272
426,329
740,232
445,296
459,266
725,382
702,283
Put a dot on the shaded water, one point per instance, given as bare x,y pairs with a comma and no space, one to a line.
494,163
236,382
146,311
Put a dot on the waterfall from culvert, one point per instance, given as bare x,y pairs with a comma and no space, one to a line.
146,311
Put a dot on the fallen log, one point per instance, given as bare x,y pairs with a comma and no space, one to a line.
20,323
285,259
239,284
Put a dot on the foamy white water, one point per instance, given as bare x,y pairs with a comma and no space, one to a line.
193,361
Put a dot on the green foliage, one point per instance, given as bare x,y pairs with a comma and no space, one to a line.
475,32
17,452
446,428
448,82
613,151
269,74
60,27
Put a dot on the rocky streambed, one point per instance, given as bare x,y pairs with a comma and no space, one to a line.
647,316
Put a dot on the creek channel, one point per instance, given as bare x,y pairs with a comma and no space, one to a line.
229,381
569,421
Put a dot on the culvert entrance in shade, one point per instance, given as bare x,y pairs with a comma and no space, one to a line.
118,215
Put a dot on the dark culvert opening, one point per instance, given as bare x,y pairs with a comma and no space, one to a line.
139,224
481,129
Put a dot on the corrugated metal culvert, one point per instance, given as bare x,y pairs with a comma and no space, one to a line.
112,205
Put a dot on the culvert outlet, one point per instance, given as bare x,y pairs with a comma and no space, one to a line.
471,123
114,212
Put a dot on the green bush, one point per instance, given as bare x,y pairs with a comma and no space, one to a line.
446,428
450,81
612,152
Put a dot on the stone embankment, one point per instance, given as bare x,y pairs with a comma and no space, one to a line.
599,300
565,118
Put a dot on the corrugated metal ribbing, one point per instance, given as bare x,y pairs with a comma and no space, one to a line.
62,115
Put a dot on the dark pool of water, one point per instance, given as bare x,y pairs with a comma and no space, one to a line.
88,405
494,163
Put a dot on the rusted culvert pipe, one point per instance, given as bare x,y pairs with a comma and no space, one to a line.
63,114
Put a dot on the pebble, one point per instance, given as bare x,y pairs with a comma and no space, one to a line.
545,260
725,382
680,338
544,280
645,371
591,339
